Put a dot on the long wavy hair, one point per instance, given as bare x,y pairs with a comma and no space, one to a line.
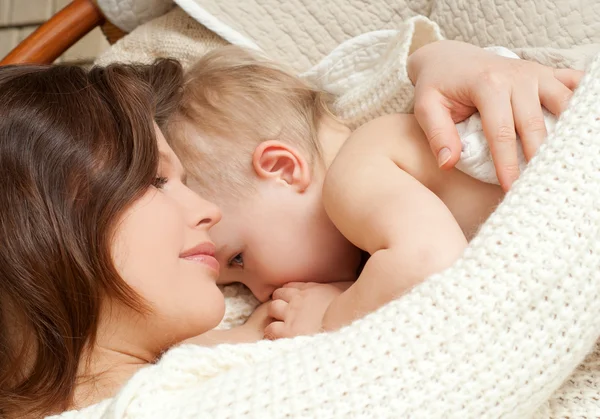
77,147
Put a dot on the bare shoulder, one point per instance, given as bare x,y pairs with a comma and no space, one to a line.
367,148
399,138
387,132
397,121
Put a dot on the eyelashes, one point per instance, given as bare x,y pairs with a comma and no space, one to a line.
159,182
237,261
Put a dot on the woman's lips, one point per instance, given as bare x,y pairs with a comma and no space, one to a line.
204,253
207,260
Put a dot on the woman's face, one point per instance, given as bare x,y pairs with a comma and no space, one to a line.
163,251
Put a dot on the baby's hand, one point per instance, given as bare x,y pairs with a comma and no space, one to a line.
251,331
298,308
256,324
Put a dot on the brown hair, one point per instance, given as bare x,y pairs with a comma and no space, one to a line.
235,100
76,149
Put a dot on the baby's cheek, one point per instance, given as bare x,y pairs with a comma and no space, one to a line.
310,272
223,280
229,276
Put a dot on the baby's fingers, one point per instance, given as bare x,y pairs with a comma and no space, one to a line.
278,309
285,294
299,285
276,330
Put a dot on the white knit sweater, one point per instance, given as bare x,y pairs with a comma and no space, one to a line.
503,333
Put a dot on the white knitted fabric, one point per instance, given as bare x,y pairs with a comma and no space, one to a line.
493,336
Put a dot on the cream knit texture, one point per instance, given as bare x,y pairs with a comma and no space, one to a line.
503,333
495,335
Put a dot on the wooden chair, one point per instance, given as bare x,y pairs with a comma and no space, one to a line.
60,32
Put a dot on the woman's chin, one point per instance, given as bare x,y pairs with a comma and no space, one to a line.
214,310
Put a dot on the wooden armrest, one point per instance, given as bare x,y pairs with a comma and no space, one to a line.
58,34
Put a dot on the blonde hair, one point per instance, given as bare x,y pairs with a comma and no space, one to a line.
235,100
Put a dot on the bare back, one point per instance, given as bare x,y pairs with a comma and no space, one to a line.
400,137
385,194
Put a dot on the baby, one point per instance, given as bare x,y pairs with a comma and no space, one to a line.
304,198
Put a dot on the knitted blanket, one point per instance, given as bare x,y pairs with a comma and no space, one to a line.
504,332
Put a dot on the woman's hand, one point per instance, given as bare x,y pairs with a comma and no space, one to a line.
453,80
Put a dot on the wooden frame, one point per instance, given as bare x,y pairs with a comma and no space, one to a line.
57,35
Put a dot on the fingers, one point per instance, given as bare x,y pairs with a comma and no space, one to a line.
554,95
285,294
278,309
299,285
499,129
437,124
529,119
570,78
276,330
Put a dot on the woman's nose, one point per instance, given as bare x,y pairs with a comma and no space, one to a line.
206,214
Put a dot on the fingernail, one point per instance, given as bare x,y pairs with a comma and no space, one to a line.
443,156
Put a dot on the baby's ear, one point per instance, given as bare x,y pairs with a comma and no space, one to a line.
274,160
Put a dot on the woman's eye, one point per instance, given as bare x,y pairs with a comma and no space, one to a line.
159,182
237,260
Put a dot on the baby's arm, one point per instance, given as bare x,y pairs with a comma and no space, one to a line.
408,231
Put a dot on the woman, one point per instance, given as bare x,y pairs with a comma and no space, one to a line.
106,260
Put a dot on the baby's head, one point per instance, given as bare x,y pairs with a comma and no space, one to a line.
255,140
